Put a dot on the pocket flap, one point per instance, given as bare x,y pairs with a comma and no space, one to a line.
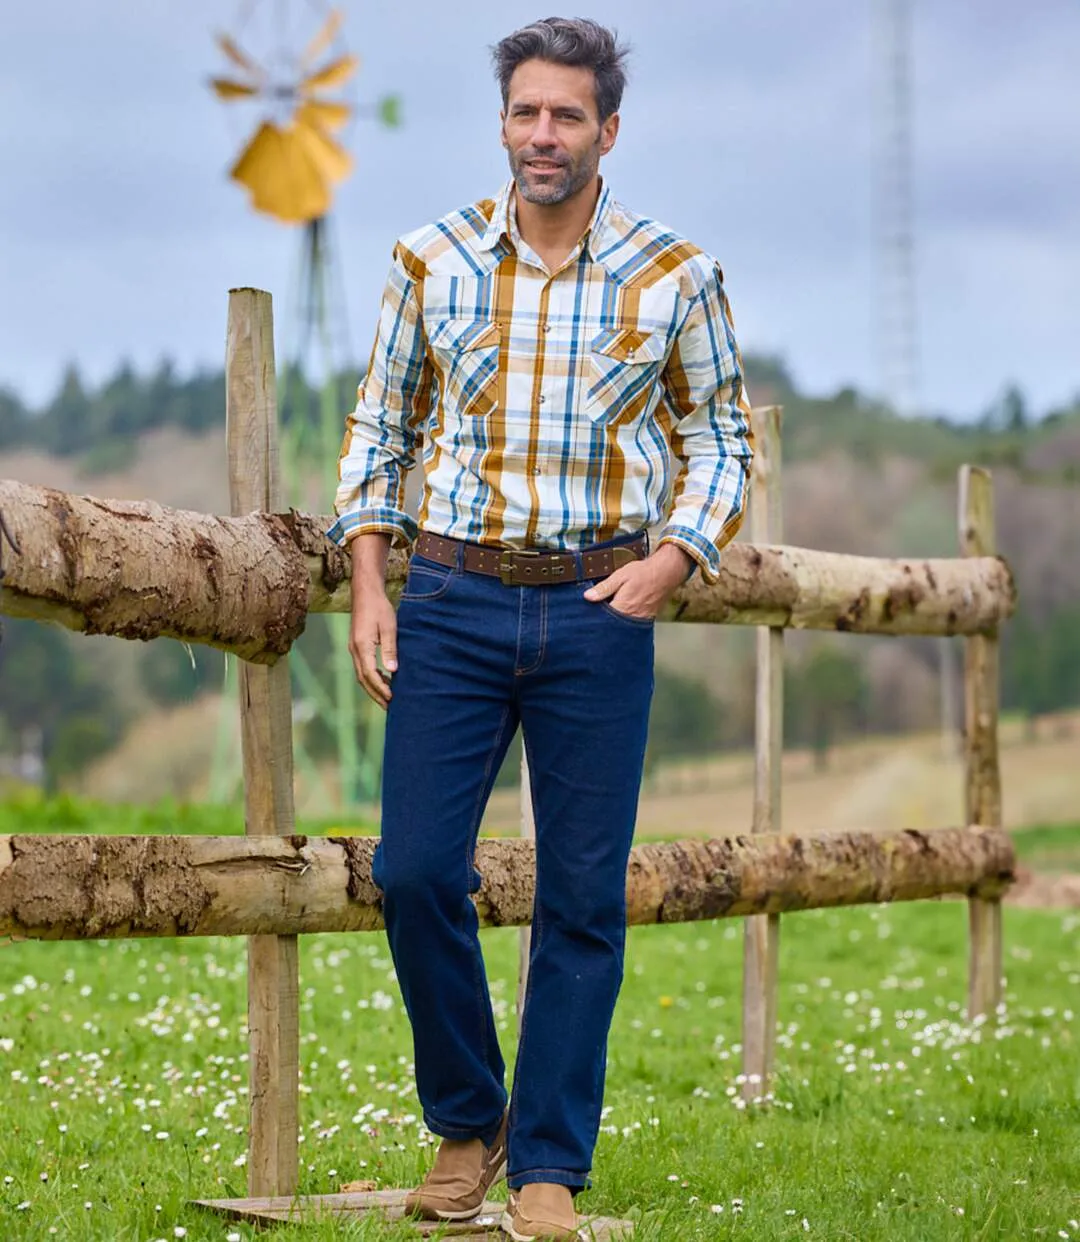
464,334
629,345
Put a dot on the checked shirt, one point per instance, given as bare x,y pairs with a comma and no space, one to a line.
550,409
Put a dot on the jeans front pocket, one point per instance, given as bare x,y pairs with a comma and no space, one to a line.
612,611
607,607
426,580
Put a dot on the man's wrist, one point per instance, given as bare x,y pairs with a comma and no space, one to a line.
675,563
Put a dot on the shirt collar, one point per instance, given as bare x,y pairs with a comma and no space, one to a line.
502,225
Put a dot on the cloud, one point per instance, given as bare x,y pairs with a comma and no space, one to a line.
749,126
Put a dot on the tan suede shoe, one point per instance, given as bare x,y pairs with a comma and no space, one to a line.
541,1210
463,1172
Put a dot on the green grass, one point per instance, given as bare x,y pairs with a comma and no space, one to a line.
124,1072
32,812
1049,847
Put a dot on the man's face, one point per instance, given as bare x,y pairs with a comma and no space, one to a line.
552,133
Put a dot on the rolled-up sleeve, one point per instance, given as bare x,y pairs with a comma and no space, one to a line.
392,402
711,434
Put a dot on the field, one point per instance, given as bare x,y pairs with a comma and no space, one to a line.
882,782
893,1118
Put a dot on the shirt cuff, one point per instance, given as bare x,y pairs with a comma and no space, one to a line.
703,551
375,521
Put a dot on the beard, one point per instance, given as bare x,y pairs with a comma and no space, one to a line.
550,189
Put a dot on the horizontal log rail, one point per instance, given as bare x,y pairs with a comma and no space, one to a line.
89,887
137,569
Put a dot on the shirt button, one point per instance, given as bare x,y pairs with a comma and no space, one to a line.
537,470
547,327
542,398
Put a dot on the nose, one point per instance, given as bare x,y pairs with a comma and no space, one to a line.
543,134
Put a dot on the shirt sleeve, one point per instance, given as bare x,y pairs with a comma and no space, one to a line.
393,399
711,435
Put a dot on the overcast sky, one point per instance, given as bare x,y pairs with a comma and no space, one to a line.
748,125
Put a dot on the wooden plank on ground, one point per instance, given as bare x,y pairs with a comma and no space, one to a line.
266,736
762,931
390,1204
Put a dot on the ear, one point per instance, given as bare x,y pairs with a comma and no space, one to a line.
502,130
609,131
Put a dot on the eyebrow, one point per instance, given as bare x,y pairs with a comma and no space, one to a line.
566,109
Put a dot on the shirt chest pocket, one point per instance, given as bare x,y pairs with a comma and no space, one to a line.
466,356
624,371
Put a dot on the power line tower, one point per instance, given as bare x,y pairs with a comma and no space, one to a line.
897,302
896,305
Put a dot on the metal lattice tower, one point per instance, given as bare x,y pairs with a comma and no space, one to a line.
897,319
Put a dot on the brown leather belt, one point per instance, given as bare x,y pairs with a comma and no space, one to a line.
532,568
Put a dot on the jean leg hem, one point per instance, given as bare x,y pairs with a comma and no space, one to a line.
464,1133
557,1177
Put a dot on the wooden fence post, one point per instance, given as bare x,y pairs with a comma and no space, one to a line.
762,931
266,736
982,772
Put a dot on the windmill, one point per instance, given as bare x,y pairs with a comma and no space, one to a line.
295,76
292,163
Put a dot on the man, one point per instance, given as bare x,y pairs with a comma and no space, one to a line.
569,373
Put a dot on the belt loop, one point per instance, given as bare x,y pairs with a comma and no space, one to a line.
579,563
459,557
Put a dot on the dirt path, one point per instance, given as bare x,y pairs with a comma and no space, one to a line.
1045,891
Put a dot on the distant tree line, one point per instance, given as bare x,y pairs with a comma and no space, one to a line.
80,419
101,426
56,700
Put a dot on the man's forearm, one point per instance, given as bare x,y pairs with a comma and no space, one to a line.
369,557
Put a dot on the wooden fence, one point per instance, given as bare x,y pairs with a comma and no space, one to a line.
246,583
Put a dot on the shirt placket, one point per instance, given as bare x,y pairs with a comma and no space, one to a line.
551,346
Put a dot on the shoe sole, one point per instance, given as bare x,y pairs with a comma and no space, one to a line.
507,1226
500,1173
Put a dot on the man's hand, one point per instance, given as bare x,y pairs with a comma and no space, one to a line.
642,588
374,622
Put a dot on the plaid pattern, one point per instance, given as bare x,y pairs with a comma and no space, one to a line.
551,410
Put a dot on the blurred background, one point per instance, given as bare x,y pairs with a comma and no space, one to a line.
891,186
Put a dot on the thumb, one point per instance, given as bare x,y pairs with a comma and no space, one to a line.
604,589
388,645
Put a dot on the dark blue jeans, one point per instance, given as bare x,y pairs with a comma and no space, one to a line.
476,659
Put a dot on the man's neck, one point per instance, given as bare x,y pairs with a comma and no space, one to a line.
553,231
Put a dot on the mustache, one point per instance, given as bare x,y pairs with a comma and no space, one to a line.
525,156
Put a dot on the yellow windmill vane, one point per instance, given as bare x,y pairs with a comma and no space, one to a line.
292,163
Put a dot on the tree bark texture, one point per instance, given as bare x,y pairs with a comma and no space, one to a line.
139,570
89,887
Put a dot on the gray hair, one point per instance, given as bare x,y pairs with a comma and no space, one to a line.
576,41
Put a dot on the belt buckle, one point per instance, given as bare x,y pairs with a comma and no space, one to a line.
506,565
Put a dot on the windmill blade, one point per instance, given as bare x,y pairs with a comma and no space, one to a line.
238,58
332,160
258,159
324,38
282,177
227,88
322,114
308,192
333,74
